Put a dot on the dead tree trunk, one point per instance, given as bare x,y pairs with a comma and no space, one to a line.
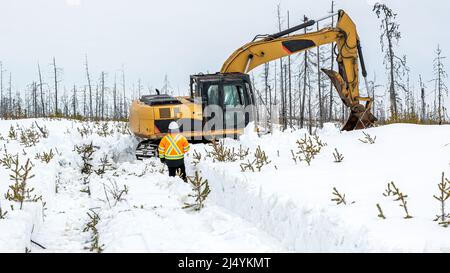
290,83
41,91
390,34
441,87
115,98
90,88
84,102
56,86
34,99
319,87
124,95
305,84
10,104
283,112
74,101
310,120
2,109
422,98
103,96
330,115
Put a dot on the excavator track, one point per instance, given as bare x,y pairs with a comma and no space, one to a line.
146,149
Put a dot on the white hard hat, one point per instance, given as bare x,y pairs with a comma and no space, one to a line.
173,126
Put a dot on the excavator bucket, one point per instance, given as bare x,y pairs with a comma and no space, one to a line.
360,116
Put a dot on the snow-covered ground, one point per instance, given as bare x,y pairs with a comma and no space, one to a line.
286,206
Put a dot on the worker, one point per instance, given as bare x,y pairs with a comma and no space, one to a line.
171,151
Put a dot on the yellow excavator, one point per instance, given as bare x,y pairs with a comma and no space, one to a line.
222,104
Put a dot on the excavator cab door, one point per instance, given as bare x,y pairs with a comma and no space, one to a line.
234,100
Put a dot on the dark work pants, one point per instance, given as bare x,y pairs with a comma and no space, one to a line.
177,165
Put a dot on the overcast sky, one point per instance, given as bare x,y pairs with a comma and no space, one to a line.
182,37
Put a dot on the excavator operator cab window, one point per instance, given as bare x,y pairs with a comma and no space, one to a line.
232,95
212,94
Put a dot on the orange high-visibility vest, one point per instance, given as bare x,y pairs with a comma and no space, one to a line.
173,147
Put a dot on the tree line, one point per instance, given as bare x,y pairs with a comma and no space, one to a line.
293,91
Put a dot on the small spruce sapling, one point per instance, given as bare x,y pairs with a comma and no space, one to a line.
261,158
294,157
243,153
12,134
444,194
339,198
85,130
337,156
368,139
196,158
380,212
19,191
201,191
104,165
94,219
220,152
86,151
45,157
248,166
7,159
2,214
309,147
393,190
103,129
29,136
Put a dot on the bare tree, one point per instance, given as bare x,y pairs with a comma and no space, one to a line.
2,107
55,77
422,98
89,86
319,84
115,97
396,66
441,87
10,102
282,82
34,98
41,91
74,101
290,82
102,96
330,110
305,82
124,95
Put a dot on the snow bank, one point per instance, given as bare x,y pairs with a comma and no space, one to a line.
16,231
17,228
300,228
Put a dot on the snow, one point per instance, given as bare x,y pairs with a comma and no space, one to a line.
149,219
285,207
292,201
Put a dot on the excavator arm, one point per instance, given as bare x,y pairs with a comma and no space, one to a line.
272,47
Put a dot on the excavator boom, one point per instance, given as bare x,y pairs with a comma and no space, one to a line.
346,81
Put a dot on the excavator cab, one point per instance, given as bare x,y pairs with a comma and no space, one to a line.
227,99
